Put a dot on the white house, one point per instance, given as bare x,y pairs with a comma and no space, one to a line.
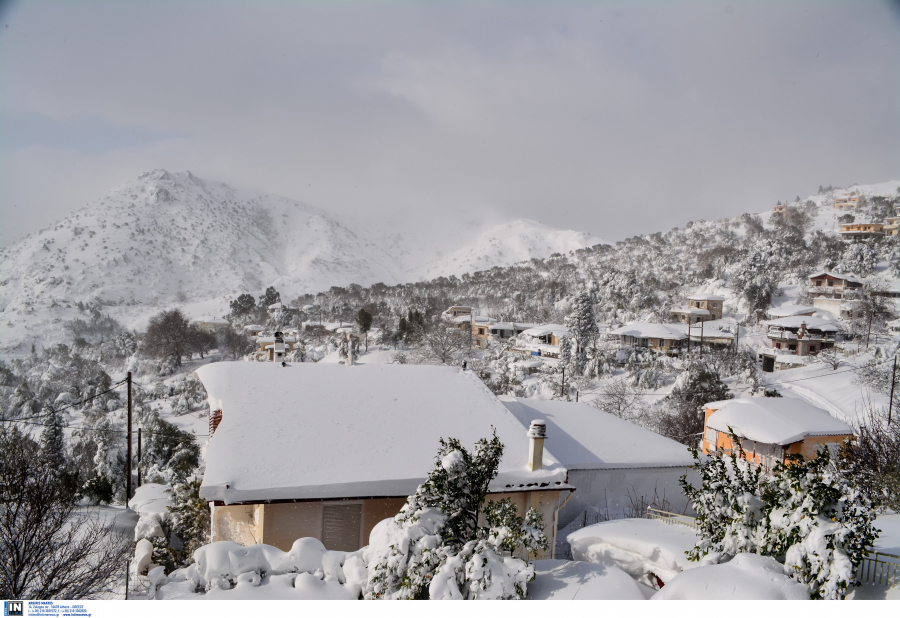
328,451
615,466
660,337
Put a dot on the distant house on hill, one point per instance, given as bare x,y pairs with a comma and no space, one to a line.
770,428
211,324
275,347
847,201
891,226
713,303
253,330
328,451
690,315
786,311
827,289
861,230
801,335
779,208
546,340
660,337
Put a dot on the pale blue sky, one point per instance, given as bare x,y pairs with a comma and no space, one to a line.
609,117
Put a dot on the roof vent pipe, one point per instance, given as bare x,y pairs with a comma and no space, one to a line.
537,433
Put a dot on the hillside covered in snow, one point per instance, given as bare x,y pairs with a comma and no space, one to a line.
172,238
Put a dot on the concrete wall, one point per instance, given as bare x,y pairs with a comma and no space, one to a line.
280,524
614,493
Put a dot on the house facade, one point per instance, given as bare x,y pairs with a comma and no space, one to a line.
770,428
690,315
847,201
891,226
713,303
327,450
660,337
801,335
861,230
616,467
828,289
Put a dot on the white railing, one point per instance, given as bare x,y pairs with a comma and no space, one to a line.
673,519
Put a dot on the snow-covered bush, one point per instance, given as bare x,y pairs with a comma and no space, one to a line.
807,514
729,509
819,524
434,547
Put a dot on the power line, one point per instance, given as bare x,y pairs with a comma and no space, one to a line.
189,436
77,403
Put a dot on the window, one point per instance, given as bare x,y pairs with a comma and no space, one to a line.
712,436
341,524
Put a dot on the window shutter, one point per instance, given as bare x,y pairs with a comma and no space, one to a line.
340,526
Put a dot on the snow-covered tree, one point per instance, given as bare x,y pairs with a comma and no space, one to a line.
730,511
189,516
859,259
435,548
582,323
819,524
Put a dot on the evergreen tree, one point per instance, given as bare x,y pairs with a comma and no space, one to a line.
270,297
434,548
243,305
364,323
190,516
52,441
582,323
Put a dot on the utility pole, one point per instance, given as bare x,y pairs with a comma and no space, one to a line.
893,379
139,455
564,383
701,337
128,455
869,332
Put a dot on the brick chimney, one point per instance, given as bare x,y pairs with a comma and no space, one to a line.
537,433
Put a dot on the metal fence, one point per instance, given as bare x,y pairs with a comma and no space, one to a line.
673,519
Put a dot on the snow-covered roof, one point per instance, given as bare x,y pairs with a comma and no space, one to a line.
545,329
212,320
650,330
690,310
315,431
584,438
275,306
271,339
461,318
788,310
706,297
774,420
828,273
812,323
482,319
254,327
308,307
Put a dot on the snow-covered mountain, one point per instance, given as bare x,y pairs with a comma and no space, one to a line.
504,245
171,238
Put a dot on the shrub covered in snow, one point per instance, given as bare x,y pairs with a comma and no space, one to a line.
434,548
807,514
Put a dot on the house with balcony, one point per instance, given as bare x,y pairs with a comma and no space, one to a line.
801,335
327,450
891,225
274,348
827,289
862,230
847,201
770,428
690,315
